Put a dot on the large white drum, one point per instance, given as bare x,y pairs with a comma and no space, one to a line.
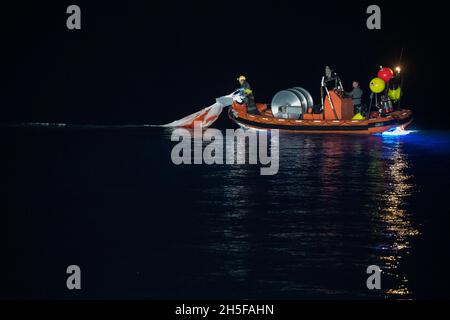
291,103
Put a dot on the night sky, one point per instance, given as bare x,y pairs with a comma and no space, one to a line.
148,62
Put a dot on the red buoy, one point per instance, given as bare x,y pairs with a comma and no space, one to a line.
386,74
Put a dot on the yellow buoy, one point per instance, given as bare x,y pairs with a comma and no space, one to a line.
394,94
377,85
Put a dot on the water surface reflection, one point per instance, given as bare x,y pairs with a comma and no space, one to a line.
337,205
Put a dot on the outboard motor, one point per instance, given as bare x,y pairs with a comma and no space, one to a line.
291,103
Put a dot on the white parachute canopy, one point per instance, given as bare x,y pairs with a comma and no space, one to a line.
207,115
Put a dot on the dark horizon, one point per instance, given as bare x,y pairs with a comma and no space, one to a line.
139,62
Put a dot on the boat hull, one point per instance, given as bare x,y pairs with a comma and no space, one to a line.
401,118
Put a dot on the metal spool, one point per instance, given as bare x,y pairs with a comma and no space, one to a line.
307,95
291,103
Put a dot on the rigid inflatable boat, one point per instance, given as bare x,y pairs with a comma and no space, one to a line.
293,110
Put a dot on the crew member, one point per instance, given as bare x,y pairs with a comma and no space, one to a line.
356,95
247,92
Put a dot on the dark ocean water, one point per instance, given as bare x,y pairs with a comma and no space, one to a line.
139,226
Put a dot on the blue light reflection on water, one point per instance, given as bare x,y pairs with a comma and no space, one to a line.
434,142
398,131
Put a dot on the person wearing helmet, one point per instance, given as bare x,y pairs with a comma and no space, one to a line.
247,92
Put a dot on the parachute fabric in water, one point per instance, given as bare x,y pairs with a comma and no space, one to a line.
207,115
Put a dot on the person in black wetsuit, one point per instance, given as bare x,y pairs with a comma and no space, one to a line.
248,94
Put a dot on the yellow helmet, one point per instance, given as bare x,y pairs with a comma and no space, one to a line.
241,78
